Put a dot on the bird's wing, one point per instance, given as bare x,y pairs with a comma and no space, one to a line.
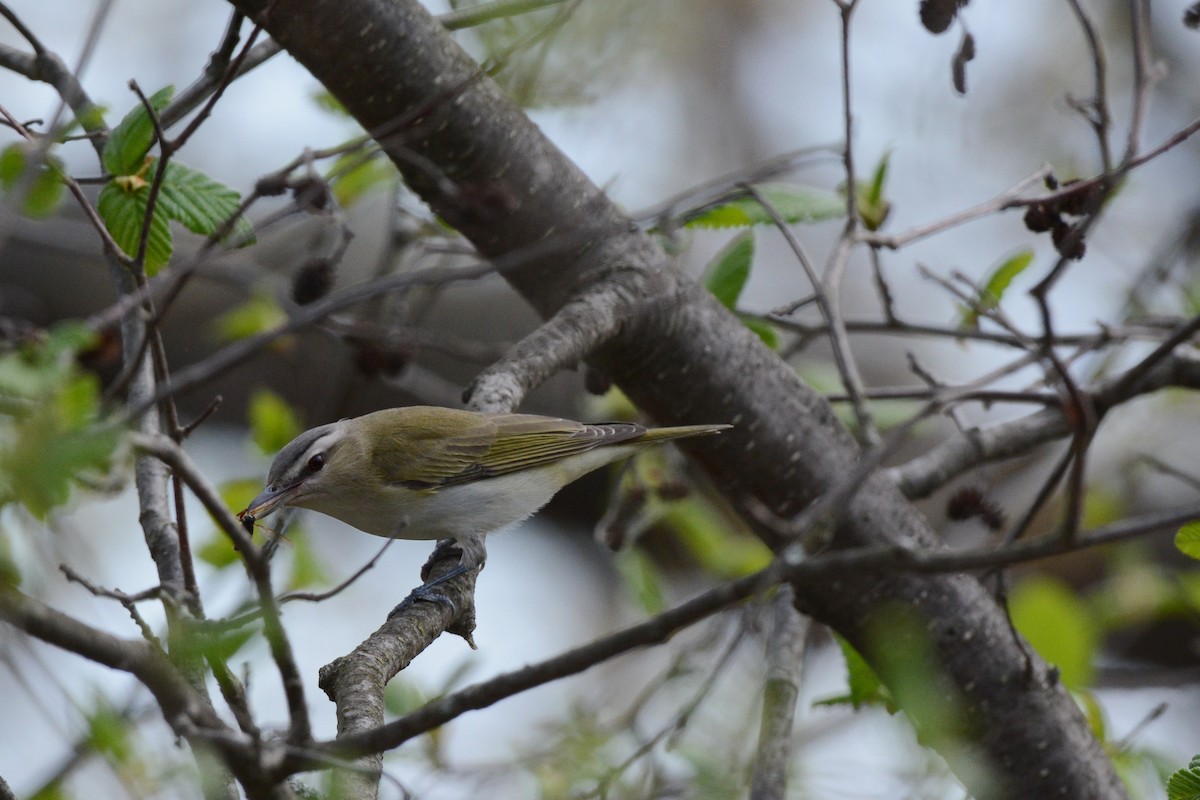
526,440
484,445
429,457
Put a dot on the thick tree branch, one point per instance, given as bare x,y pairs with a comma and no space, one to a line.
355,682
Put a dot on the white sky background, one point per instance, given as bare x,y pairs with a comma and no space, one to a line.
708,88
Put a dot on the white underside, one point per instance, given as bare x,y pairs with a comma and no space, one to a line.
469,509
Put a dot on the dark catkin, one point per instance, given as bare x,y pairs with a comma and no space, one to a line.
971,503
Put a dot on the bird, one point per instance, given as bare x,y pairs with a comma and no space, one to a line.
427,472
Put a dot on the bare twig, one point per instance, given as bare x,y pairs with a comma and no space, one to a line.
843,356
317,597
785,663
1096,109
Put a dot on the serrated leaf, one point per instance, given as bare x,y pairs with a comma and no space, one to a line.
203,205
127,145
273,423
794,203
1187,539
124,211
43,190
1059,625
1184,784
996,285
727,273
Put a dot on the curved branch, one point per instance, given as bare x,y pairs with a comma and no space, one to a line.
563,341
935,467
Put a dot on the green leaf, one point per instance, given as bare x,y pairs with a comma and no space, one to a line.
218,552
720,549
53,446
216,644
10,573
403,695
873,208
354,175
794,204
254,316
307,569
12,164
35,370
993,289
327,102
1187,539
201,204
125,151
874,193
43,190
1101,506
865,687
1094,712
108,734
763,329
1059,625
642,579
123,210
49,436
273,423
729,269
236,494
1184,784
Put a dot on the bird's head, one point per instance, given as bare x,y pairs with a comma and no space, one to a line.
317,463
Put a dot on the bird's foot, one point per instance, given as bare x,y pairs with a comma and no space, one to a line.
428,591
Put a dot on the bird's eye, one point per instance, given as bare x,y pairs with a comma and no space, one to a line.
316,462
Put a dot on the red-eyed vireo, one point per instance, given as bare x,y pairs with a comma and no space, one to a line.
438,473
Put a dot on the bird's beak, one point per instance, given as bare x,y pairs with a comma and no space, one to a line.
267,501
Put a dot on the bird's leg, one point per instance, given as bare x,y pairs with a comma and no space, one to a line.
473,555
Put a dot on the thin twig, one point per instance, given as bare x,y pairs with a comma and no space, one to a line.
842,354
316,597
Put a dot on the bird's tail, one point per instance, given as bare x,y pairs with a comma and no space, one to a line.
679,432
